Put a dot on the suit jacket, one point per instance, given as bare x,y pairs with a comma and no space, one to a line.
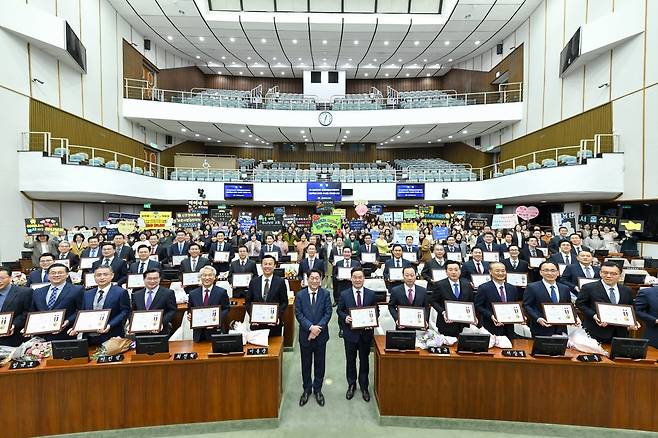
322,253
164,299
118,266
226,247
307,315
536,294
186,265
554,243
574,253
236,268
646,309
468,269
399,298
35,277
263,250
304,267
36,249
118,301
174,251
518,240
426,273
126,253
69,299
74,260
444,292
347,302
522,267
18,301
488,293
593,293
217,297
162,253
571,273
134,267
483,246
390,263
87,251
373,248
526,254
340,285
559,258
278,293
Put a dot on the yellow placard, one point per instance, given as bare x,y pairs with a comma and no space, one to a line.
155,220
409,226
340,212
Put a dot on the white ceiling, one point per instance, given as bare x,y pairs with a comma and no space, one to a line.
365,45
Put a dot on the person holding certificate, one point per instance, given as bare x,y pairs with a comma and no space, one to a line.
548,290
268,288
514,264
646,309
310,262
58,295
208,294
117,264
270,247
156,297
605,291
106,296
342,273
437,262
221,253
357,341
583,269
16,300
532,254
179,247
452,288
241,266
393,268
368,248
475,266
313,312
143,262
564,256
408,294
495,291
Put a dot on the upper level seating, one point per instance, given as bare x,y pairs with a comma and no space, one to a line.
363,101
430,99
289,101
215,97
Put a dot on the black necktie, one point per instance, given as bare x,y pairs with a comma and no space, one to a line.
312,299
141,268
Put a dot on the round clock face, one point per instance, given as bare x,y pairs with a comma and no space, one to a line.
325,118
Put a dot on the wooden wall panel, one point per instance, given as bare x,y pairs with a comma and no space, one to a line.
402,153
305,156
224,82
512,63
363,85
463,153
466,81
187,147
241,152
183,78
132,61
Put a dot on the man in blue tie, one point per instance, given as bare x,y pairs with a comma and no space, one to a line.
40,276
310,262
93,250
156,297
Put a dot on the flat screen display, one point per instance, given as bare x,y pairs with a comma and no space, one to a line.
410,191
238,191
323,191
570,52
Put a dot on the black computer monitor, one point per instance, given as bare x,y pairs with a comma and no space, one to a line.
549,345
634,278
151,344
280,272
70,348
617,261
650,262
226,343
631,253
400,340
284,259
473,343
629,348
601,252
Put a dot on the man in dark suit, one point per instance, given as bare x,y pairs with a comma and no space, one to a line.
344,263
143,263
488,244
156,297
554,243
409,250
106,296
357,341
270,247
548,290
582,269
577,244
17,300
451,245
505,246
208,294
64,248
268,288
408,294
110,259
123,250
514,263
475,265
180,247
368,248
646,309
396,262
241,266
40,275
436,263
93,250
564,255
313,312
195,261
495,291
310,262
486,229
605,291
222,249
58,295
452,288
157,249
531,250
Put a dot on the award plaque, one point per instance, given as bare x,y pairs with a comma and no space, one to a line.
561,267
439,274
88,321
582,281
241,280
478,279
490,256
368,257
191,279
509,313
411,317
616,314
395,274
410,256
264,313
135,281
517,279
559,313
145,321
460,311
536,261
221,257
44,322
177,259
455,256
363,317
344,273
86,262
206,316
6,319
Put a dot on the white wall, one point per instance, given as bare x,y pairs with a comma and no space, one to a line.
324,90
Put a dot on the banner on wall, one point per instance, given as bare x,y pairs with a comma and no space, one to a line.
340,212
221,215
507,221
387,217
326,224
156,220
564,219
425,210
197,206
269,223
398,216
410,213
440,233
596,220
357,224
245,223
409,226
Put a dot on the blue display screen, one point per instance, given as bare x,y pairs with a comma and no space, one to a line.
410,191
323,191
238,191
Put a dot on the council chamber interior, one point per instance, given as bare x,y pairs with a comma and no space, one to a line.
285,217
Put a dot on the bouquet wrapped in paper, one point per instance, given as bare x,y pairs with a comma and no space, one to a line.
254,337
494,341
112,346
18,278
581,341
431,338
33,349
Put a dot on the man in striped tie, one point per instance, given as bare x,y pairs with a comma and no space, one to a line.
208,295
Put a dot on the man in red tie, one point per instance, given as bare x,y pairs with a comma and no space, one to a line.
208,295
495,291
408,294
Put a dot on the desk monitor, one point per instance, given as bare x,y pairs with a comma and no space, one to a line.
280,272
70,348
634,278
549,345
631,253
231,343
473,343
617,261
151,344
401,340
601,252
630,348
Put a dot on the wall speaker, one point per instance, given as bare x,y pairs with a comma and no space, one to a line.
169,139
499,49
347,192
147,44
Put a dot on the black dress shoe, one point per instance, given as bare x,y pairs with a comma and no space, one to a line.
319,398
366,394
304,399
350,392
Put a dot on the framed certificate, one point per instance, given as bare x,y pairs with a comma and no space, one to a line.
177,259
583,281
368,257
6,319
411,317
155,258
87,321
456,256
490,256
264,313
344,273
191,279
293,256
439,274
241,280
135,281
410,256
65,262
561,267
206,316
44,322
616,314
145,321
36,286
86,262
90,281
395,274
478,279
506,255
273,254
559,313
364,317
536,261
459,311
517,279
543,250
509,313
221,257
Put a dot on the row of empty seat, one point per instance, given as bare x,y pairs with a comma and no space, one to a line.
562,160
207,175
83,158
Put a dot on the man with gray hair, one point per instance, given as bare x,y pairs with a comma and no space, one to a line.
208,295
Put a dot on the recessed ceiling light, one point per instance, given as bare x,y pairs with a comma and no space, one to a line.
450,60
356,42
301,132
248,58
407,74
450,136
392,139
374,60
219,141
446,43
347,132
386,75
242,130
429,142
263,40
477,43
183,130
366,75
400,60
386,43
424,59
219,72
232,39
169,37
407,131
274,58
416,43
198,57
209,138
240,72
202,38
464,132
438,139
283,73
299,59
427,75
398,136
261,72
294,41
324,41
223,57
196,135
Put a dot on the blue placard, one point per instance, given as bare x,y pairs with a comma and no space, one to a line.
440,233
246,223
375,209
357,224
238,191
323,191
410,191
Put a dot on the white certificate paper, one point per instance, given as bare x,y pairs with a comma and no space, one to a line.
221,257
478,279
175,260
65,262
410,256
368,257
264,313
506,255
517,279
363,317
154,257
91,320
460,311
411,317
273,254
582,281
90,281
456,256
241,280
395,274
561,267
145,321
536,261
439,274
191,279
616,314
86,262
559,313
206,316
44,322
5,322
135,281
490,256
36,286
344,273
508,313
293,257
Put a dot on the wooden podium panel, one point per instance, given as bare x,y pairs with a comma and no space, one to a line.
607,394
81,398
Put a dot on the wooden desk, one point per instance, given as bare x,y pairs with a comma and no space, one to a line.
80,398
607,394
